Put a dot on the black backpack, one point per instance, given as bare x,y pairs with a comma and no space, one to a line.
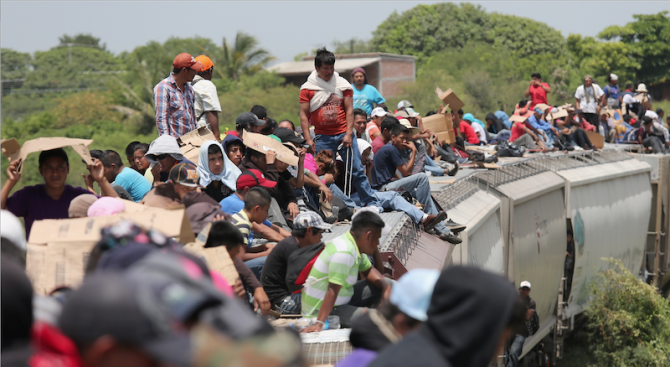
300,263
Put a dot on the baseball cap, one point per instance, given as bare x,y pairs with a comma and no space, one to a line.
378,111
410,111
184,60
310,219
405,104
132,311
249,118
614,77
288,136
525,283
184,174
253,178
205,61
412,292
402,114
405,122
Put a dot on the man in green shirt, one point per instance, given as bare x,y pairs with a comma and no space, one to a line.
332,286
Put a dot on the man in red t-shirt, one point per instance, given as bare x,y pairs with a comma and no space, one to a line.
467,132
537,91
326,100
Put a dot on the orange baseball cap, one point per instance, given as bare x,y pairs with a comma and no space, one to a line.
205,61
185,60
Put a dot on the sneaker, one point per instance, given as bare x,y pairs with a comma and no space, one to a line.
451,238
454,170
455,227
432,220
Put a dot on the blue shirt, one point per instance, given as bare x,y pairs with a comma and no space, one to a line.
366,97
504,118
611,91
136,185
233,205
539,124
386,160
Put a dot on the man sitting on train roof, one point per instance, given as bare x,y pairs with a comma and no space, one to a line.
50,200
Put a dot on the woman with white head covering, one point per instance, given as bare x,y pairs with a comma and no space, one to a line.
218,175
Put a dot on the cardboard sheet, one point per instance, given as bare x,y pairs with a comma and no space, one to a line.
217,258
13,150
451,99
191,142
597,140
262,143
517,118
58,249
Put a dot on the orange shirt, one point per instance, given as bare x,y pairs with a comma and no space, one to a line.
331,118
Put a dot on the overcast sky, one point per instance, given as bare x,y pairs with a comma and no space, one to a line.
284,28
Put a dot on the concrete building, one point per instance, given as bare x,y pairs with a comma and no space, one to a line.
386,72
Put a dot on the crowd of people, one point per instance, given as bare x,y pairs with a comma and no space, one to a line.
147,301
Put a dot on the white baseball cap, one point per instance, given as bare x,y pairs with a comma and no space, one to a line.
405,104
412,293
411,112
525,283
614,77
377,111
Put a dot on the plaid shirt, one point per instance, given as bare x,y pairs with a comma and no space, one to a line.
175,111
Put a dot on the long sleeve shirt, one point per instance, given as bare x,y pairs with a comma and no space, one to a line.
175,111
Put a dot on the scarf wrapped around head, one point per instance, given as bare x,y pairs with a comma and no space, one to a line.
324,89
229,174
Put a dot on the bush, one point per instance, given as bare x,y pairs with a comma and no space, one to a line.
628,319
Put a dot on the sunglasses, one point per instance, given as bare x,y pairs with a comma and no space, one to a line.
161,157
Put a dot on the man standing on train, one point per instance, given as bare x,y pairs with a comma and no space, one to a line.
529,328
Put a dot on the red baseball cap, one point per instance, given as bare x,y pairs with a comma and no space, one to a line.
185,60
252,178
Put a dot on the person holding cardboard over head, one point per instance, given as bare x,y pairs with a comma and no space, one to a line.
207,105
326,100
174,98
50,200
388,159
523,134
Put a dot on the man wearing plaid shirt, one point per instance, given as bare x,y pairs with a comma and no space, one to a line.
174,98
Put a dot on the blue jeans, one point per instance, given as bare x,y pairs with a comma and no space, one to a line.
433,168
515,350
502,135
359,179
256,265
347,200
419,187
548,138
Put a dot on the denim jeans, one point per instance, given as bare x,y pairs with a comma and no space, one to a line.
256,265
359,179
502,135
347,200
515,350
419,187
433,168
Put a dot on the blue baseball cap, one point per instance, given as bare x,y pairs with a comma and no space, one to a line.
412,293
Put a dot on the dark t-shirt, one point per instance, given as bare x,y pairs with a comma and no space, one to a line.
523,329
32,203
273,276
166,175
218,193
386,160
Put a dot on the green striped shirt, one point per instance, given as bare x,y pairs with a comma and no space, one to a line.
339,263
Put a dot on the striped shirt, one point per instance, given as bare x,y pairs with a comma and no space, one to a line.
175,111
241,221
339,263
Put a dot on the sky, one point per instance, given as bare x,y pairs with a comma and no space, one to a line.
284,28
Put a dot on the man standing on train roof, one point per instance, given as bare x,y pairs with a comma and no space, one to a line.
207,105
174,98
326,100
365,95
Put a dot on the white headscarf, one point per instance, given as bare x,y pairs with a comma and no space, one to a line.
363,145
336,85
229,174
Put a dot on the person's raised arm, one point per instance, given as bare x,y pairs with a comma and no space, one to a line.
326,308
304,123
212,118
406,169
13,177
349,111
97,172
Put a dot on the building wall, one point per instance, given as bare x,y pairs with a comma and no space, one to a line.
395,72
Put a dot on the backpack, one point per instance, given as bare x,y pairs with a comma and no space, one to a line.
300,263
533,325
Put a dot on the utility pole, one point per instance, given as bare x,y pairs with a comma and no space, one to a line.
351,45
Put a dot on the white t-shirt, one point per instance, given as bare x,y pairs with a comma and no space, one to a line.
589,107
206,99
653,115
479,129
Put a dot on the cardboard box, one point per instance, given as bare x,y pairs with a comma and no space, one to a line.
58,249
217,258
517,118
450,99
448,137
13,150
597,140
191,142
262,143
442,126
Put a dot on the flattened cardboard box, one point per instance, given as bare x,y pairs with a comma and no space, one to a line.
13,150
262,143
58,249
217,258
191,142
597,140
442,126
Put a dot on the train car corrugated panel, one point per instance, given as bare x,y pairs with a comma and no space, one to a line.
538,245
609,219
482,241
531,187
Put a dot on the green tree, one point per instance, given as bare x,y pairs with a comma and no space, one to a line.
242,57
628,319
82,39
14,68
647,41
353,46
